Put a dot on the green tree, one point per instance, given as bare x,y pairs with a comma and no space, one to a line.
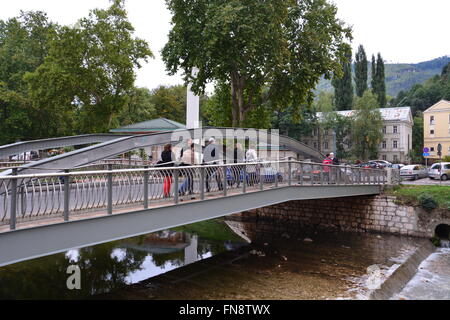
324,102
416,154
139,107
89,72
343,86
283,120
217,111
378,80
341,126
373,83
381,82
367,127
170,101
24,43
266,51
361,75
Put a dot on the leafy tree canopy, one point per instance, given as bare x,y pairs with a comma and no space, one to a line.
282,46
89,71
367,127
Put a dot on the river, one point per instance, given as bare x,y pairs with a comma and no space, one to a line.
210,261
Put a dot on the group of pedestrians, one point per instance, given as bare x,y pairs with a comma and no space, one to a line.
329,172
210,155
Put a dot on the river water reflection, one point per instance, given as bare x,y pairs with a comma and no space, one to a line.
173,264
113,265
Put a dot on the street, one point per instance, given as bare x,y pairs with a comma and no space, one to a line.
426,182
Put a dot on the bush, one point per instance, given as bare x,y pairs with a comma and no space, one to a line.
436,241
427,202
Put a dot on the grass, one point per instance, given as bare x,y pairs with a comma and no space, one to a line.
410,194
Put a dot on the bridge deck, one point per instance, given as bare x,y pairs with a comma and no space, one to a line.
48,234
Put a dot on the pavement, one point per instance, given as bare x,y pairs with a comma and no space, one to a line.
426,182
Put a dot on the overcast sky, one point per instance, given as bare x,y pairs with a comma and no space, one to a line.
402,30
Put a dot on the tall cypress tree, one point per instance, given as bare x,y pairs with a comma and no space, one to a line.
381,82
374,75
343,87
361,71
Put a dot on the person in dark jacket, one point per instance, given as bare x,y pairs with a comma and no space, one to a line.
335,160
239,157
334,170
167,160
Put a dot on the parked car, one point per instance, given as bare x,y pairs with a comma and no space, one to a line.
440,171
382,163
414,171
309,172
370,165
268,173
397,166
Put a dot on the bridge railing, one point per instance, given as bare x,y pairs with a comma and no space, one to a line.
64,195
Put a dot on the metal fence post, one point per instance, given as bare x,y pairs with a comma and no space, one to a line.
225,181
321,174
202,183
261,178
66,195
176,174
146,187
290,172
12,217
110,190
276,180
244,179
301,174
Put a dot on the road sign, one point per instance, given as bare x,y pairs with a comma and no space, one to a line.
426,154
426,150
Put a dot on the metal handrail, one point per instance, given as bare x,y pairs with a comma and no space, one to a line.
137,170
50,194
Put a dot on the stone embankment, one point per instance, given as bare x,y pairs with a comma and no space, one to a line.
380,214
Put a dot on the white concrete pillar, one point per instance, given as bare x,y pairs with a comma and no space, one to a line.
193,106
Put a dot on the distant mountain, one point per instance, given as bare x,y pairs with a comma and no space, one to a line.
402,76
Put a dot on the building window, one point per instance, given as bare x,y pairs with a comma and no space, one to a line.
384,130
325,145
431,120
395,144
395,129
384,145
395,158
432,149
315,145
384,157
431,131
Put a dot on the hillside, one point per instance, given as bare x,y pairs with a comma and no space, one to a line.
402,76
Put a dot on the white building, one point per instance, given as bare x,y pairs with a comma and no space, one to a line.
397,131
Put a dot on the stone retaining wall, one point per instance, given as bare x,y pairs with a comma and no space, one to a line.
356,214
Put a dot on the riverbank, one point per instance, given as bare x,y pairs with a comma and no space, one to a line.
410,194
